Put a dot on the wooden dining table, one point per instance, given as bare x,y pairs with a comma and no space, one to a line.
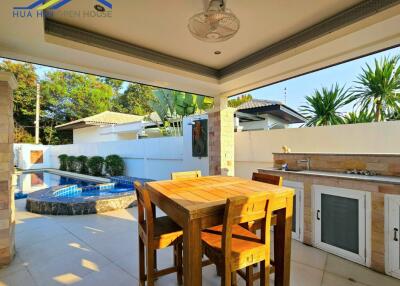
197,204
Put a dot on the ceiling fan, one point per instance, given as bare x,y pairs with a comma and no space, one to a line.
215,24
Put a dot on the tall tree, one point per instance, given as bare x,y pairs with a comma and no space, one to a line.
68,96
358,117
171,106
376,87
115,84
24,97
235,102
323,107
134,100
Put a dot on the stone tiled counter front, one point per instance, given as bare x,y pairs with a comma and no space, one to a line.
329,170
45,202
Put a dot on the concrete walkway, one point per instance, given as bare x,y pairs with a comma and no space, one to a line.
102,250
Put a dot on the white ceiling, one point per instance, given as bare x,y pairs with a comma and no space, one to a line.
161,25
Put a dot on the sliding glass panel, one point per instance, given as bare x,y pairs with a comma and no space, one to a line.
339,222
294,215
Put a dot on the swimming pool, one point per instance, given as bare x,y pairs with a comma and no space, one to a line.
83,196
27,183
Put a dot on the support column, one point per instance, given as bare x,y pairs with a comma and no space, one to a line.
7,208
221,138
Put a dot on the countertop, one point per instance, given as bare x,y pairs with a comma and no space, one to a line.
374,179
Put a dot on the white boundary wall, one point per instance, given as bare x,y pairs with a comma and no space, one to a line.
145,158
22,155
152,158
156,158
254,149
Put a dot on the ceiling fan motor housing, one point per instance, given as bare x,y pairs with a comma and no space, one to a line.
216,24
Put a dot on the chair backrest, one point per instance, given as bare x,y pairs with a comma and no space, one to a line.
245,209
145,209
269,179
186,175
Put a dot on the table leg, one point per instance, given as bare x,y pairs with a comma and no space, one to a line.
283,244
192,253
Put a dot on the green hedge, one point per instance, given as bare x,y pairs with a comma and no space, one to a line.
95,165
63,162
114,165
71,164
82,164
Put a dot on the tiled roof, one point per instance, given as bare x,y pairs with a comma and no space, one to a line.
258,103
104,118
272,107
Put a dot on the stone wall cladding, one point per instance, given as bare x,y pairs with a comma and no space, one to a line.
221,142
7,211
385,165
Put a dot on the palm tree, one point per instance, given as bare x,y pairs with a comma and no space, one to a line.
360,117
377,85
323,106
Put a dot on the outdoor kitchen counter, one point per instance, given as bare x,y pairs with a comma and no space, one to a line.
336,175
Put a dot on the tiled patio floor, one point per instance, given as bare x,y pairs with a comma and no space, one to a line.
102,250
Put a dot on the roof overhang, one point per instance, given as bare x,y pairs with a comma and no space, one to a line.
77,125
277,110
367,27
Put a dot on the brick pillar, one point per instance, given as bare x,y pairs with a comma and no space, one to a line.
7,209
221,138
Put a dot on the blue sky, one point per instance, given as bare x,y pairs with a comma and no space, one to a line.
298,88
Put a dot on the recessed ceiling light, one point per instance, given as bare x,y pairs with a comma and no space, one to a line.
99,8
217,52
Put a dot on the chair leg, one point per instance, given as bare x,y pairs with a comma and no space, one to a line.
150,266
155,260
233,278
219,271
226,277
249,275
264,274
142,277
178,262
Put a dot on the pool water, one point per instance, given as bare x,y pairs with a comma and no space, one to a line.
30,182
81,192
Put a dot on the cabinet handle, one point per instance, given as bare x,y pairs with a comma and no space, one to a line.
396,230
318,212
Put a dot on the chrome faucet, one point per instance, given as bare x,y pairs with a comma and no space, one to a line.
307,161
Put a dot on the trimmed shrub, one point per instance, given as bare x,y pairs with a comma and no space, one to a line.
95,165
82,164
114,165
71,164
63,162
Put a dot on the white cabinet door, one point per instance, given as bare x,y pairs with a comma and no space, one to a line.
298,207
342,222
392,222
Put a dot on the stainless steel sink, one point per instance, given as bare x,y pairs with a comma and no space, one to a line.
290,170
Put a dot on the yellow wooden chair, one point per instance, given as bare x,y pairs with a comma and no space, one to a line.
155,233
232,247
185,175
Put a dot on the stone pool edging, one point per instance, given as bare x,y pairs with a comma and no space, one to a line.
46,201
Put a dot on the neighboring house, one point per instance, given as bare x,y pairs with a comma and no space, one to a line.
260,114
113,126
106,126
